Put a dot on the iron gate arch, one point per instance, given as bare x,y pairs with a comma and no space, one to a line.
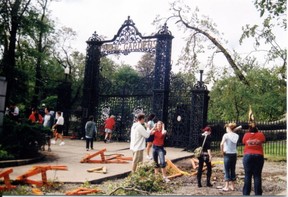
128,39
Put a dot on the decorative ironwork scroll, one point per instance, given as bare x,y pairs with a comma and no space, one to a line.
129,39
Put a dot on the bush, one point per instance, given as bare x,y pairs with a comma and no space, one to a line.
22,140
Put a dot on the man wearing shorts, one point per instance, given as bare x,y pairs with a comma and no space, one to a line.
109,126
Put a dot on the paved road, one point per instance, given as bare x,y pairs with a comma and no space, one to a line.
74,151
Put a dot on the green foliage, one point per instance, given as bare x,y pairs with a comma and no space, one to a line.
50,101
4,155
20,190
22,140
230,99
143,179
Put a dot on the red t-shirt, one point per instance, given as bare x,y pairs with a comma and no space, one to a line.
158,138
33,118
253,143
109,123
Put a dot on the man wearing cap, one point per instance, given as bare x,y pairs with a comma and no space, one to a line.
205,156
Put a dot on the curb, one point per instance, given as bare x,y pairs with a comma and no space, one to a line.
19,162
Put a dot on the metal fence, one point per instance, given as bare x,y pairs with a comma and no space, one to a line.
275,133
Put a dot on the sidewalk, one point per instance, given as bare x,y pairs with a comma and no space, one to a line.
73,152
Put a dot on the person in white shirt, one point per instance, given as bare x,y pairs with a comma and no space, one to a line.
139,133
58,128
48,122
228,147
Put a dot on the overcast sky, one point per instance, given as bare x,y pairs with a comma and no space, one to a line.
106,17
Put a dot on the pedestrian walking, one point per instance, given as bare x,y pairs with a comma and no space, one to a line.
109,126
58,128
90,132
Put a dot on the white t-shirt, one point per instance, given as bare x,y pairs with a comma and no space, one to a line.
46,122
60,120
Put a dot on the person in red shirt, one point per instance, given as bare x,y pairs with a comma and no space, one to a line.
253,159
35,117
159,152
109,126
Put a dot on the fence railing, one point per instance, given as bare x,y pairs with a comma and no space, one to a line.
275,133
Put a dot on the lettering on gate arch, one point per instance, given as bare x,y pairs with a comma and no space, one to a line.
129,39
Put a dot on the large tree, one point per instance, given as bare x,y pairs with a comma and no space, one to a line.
274,15
201,30
12,15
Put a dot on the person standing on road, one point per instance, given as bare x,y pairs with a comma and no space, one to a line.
149,140
253,159
159,132
205,157
139,133
90,131
228,147
109,126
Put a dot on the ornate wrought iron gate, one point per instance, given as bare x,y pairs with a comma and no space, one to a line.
128,39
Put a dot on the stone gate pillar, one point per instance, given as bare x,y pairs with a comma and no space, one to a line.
162,74
199,111
90,97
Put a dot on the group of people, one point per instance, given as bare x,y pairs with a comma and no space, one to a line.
253,159
154,133
149,135
49,121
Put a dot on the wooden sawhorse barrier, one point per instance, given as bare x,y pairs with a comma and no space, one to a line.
5,174
37,170
116,158
82,191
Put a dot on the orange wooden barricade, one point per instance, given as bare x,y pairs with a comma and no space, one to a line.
116,158
82,191
5,174
37,170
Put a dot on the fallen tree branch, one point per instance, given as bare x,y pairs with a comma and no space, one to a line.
129,189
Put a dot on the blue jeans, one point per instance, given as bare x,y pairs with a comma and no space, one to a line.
253,165
229,166
159,152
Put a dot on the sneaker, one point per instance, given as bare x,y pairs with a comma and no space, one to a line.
62,143
53,142
105,140
149,157
166,179
87,149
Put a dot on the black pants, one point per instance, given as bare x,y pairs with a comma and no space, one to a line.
202,159
89,140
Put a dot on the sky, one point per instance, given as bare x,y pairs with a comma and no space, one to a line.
106,17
